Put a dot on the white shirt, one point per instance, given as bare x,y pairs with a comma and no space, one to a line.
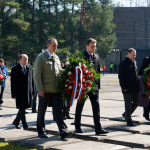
50,55
23,66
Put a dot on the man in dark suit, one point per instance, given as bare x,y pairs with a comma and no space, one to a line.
22,89
145,64
90,54
129,82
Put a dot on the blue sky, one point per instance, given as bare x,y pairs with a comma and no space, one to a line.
134,3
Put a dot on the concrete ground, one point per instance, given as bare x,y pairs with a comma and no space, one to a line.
119,137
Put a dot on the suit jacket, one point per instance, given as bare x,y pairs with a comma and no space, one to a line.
22,86
47,72
96,63
145,64
128,76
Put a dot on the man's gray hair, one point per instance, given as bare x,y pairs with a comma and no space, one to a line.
130,50
23,55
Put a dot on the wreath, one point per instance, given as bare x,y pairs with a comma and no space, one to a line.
146,80
77,79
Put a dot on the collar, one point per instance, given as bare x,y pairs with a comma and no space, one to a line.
89,53
131,60
50,55
22,65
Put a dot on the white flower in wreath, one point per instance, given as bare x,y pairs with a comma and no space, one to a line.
70,87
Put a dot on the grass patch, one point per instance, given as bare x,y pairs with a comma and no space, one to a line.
8,146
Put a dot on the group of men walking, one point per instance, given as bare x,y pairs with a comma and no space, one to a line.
46,77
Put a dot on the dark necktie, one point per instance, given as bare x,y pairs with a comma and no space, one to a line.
91,57
24,69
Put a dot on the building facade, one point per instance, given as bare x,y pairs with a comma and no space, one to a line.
132,30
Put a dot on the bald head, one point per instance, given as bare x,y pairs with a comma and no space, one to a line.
23,59
51,40
131,53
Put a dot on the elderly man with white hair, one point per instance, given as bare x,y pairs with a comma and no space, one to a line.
22,89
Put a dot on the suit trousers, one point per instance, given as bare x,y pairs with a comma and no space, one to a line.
56,103
131,103
1,95
96,112
147,109
34,101
20,116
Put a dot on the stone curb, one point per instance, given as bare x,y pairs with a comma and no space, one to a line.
132,145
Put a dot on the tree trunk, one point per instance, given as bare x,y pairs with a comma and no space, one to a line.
56,9
49,15
40,23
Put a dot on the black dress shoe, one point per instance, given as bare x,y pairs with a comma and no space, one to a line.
25,128
123,115
131,124
146,117
68,117
79,130
16,126
66,135
43,135
102,131
34,111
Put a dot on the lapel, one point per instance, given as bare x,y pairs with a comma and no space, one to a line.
87,56
27,67
94,58
21,69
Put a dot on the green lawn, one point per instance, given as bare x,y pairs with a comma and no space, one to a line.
7,146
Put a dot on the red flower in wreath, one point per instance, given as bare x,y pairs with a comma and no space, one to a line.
91,78
67,83
91,72
72,79
68,93
88,83
67,90
71,75
87,73
85,77
82,67
83,70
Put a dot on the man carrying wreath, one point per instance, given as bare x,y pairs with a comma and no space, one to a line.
46,76
90,54
146,109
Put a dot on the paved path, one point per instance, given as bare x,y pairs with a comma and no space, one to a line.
111,105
